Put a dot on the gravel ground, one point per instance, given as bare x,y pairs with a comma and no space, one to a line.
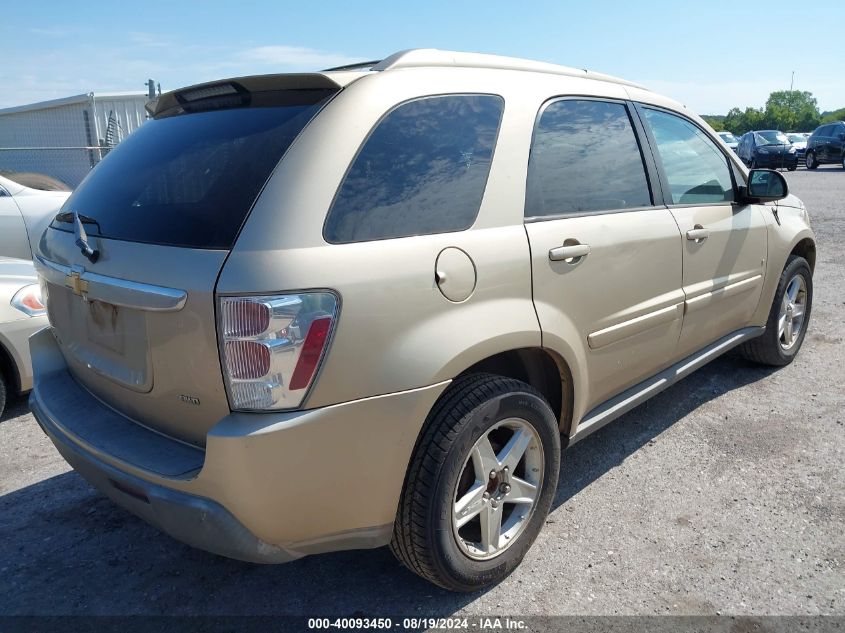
723,495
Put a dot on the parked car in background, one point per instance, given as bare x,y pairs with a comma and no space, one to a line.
799,142
729,139
22,314
826,146
767,148
346,309
24,214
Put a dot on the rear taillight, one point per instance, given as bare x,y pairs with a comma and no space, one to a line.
271,346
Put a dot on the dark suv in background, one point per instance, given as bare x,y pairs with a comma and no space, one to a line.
826,145
767,148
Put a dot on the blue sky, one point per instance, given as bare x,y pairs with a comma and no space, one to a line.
692,51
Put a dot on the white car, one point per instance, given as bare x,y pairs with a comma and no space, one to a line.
22,313
729,139
799,142
24,215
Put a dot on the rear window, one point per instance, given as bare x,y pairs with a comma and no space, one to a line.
423,170
190,180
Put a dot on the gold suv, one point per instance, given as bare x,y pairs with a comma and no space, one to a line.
300,313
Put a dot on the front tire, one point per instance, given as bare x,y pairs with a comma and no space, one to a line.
810,160
788,317
480,483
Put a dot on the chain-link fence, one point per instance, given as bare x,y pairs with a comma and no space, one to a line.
64,138
52,165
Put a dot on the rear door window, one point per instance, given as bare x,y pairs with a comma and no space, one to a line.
584,158
422,170
190,180
696,169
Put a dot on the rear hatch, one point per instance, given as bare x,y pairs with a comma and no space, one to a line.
135,320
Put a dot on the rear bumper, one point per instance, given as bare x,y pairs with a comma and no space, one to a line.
194,520
267,488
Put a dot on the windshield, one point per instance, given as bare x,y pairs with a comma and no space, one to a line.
771,137
796,138
188,180
728,137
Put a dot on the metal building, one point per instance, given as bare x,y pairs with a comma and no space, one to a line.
65,138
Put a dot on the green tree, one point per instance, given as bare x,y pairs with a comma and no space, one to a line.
836,115
792,110
740,122
785,110
715,123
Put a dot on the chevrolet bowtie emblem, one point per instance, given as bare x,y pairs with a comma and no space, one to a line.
76,283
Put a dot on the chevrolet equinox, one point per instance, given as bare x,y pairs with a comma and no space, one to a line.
300,313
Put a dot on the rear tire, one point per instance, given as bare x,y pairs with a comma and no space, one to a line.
780,343
810,161
443,527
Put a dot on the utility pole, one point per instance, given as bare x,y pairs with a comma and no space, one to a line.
792,81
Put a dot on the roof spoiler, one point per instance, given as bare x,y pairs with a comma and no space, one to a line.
236,88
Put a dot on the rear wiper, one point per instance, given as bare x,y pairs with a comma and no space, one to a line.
79,232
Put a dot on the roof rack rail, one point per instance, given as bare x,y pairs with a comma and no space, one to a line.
354,66
423,57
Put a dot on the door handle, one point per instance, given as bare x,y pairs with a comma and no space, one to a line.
698,234
576,251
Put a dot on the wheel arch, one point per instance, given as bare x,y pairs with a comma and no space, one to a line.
9,367
806,248
541,368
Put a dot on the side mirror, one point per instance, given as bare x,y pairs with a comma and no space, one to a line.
765,185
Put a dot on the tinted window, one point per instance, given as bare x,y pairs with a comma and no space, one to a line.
694,165
824,130
187,180
771,137
422,170
584,157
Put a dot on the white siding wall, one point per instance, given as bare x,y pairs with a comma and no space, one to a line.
129,112
53,139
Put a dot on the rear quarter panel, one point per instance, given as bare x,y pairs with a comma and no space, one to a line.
396,331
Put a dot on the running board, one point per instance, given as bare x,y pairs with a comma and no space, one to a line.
639,393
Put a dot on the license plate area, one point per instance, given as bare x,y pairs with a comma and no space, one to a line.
101,337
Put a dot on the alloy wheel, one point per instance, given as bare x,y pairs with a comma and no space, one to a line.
792,312
498,489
